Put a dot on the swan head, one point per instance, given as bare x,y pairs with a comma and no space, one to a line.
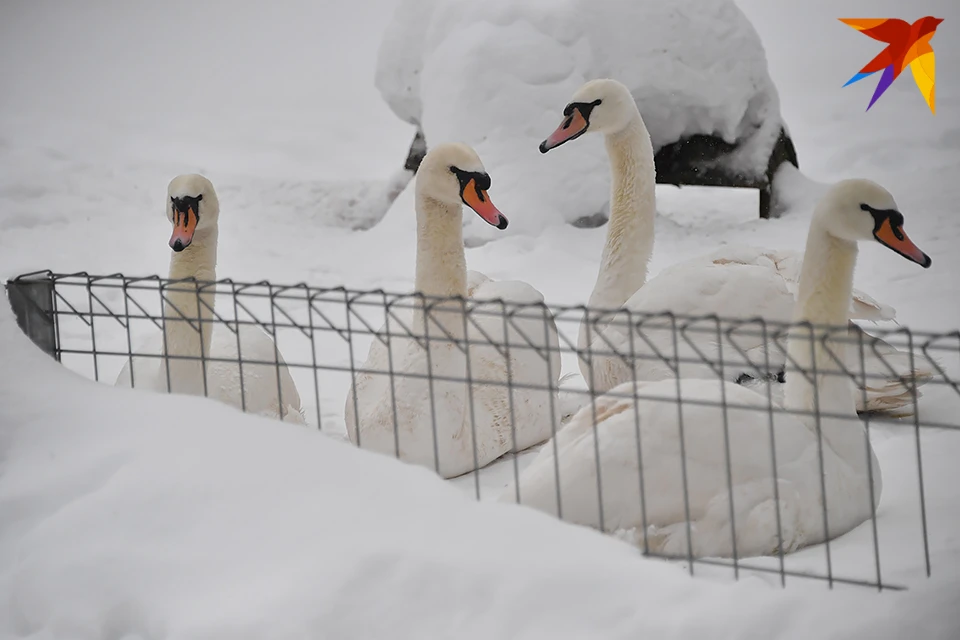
599,106
453,174
861,210
192,206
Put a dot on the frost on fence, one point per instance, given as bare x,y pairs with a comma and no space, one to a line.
732,443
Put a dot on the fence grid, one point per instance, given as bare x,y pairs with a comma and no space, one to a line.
472,389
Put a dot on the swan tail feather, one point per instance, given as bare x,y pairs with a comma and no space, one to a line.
294,415
892,378
865,307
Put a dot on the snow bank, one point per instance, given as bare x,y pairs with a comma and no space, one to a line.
497,75
129,514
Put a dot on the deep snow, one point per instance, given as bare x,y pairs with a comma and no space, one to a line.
131,514
259,99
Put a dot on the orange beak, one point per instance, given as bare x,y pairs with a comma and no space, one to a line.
896,239
184,226
478,200
572,127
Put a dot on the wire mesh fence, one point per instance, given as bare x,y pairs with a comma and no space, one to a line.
740,445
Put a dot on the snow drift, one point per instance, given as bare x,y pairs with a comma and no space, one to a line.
130,514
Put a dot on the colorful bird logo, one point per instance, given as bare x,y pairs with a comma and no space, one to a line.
907,44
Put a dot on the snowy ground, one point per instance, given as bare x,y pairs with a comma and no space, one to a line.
130,524
262,102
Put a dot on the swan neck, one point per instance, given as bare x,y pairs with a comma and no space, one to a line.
629,243
441,264
825,288
187,301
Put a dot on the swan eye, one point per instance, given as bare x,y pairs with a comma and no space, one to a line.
882,215
481,180
585,109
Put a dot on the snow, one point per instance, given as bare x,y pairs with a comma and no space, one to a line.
120,520
694,67
89,115
131,514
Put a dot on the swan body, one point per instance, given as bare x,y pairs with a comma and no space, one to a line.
726,288
731,282
260,395
784,264
263,389
444,423
742,510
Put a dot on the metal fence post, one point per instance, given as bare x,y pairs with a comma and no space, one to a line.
32,300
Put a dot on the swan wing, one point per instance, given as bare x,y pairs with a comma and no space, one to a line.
694,293
511,317
651,426
787,264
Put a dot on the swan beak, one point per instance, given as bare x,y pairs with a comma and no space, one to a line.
572,127
896,239
184,226
479,200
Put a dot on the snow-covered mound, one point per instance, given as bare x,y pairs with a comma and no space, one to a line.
497,74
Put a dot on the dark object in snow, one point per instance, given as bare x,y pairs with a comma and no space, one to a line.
418,149
699,161
593,221
33,305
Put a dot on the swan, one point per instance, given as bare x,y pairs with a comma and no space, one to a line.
193,209
731,282
473,423
851,211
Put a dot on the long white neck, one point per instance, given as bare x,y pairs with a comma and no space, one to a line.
633,207
825,288
184,302
441,265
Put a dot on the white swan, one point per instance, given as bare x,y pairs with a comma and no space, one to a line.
473,424
732,282
853,210
193,209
